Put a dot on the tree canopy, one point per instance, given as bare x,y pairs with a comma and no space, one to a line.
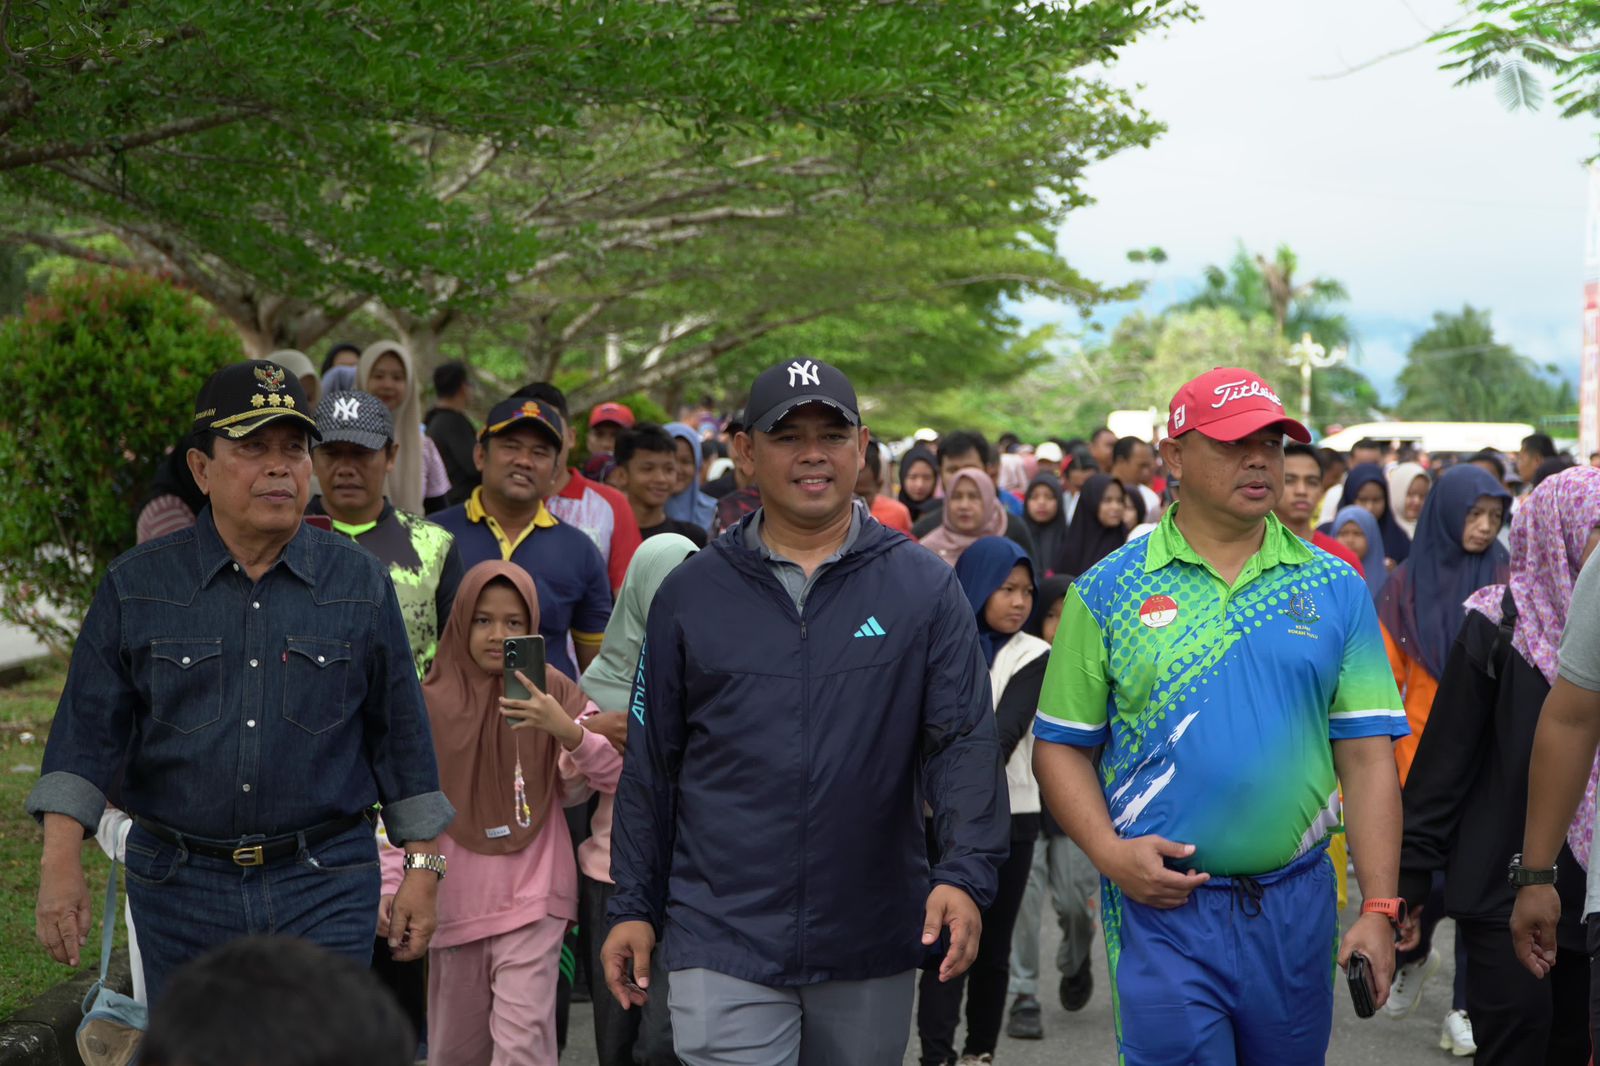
1513,42
1457,371
295,162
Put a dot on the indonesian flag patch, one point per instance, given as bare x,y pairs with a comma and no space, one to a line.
1159,612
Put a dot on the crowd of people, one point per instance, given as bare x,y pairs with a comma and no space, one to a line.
822,722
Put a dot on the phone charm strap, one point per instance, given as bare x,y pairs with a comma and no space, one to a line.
519,797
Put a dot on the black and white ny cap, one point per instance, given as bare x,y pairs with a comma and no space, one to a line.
357,417
782,388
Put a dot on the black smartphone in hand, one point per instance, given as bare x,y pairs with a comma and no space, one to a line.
1362,992
527,655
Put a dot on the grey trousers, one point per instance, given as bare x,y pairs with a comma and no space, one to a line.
1062,869
719,1020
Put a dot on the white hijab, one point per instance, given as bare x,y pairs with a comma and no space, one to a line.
1400,479
404,486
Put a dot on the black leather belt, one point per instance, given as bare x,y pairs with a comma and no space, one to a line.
260,852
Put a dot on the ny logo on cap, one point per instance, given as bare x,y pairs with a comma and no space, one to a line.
347,409
805,373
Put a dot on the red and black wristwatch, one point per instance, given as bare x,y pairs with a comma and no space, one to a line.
1393,909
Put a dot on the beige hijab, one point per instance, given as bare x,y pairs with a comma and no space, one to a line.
404,487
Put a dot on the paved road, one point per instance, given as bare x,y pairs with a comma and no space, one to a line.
18,645
1087,1037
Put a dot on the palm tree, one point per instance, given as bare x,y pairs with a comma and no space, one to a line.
1255,285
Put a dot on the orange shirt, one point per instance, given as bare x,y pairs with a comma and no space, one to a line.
892,513
1417,690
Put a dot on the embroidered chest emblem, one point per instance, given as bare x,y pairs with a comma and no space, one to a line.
1303,609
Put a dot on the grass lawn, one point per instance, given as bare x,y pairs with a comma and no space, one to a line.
25,970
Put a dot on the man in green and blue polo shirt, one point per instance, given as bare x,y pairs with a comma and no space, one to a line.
1233,676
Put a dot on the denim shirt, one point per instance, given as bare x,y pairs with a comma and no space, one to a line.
235,708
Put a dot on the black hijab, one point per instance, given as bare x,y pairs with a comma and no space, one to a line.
1052,590
1424,602
916,507
1396,544
172,477
1048,537
1087,540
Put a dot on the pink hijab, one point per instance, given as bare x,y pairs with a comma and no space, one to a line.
1548,535
946,541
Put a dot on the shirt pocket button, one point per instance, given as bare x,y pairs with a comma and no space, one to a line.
316,674
185,683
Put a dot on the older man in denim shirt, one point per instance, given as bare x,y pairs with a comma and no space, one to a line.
251,680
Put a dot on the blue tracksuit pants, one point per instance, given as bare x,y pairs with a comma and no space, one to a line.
1240,975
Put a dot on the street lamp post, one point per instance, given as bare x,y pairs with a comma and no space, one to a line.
1308,355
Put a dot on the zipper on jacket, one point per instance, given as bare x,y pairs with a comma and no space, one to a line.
805,775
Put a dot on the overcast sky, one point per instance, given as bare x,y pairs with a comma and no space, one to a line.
1418,195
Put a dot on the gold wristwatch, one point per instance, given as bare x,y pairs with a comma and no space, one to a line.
432,863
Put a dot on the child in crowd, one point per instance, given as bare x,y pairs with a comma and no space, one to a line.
648,473
508,766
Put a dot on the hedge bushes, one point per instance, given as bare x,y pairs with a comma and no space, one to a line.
97,381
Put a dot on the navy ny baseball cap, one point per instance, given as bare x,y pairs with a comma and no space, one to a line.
781,389
357,417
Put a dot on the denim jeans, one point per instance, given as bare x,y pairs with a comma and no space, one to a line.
186,904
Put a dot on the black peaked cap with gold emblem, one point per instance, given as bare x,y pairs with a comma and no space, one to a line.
239,399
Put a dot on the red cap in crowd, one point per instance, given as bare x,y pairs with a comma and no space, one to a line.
611,412
1230,404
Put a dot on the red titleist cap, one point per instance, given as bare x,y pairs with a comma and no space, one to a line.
1230,404
611,412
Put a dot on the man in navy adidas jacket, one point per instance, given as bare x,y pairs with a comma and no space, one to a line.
807,683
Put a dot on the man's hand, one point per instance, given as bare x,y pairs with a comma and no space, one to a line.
1139,868
61,918
1533,927
1372,936
1410,930
626,960
613,725
949,906
385,915
413,915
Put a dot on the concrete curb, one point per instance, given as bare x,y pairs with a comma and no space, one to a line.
43,1032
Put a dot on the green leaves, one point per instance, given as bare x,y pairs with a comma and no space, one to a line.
100,378
1514,38
1517,88
1457,371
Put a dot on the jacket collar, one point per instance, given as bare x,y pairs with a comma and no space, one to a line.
870,538
214,554
752,533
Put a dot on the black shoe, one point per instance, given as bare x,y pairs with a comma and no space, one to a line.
1076,988
1025,1023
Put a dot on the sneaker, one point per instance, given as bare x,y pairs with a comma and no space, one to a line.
1025,1023
975,1060
1406,991
1456,1036
1076,988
